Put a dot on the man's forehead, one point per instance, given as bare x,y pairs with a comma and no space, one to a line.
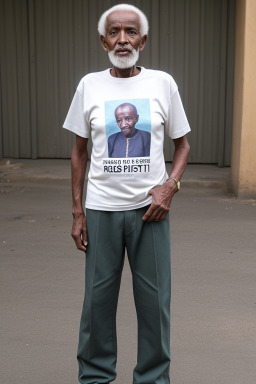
123,16
126,109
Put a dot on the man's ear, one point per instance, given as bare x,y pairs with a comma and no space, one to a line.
104,43
143,42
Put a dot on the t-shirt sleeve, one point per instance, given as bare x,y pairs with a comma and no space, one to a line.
177,124
76,120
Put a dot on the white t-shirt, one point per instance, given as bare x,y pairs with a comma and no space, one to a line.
122,183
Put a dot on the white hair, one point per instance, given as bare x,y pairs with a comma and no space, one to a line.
121,7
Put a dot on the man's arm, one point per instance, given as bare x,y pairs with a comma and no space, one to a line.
162,195
79,158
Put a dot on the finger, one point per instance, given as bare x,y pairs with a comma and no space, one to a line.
152,213
159,213
84,238
84,233
148,213
152,206
154,216
82,246
161,216
79,242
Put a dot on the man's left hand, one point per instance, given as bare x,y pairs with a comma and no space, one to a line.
161,201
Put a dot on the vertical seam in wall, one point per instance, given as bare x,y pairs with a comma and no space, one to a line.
32,78
1,112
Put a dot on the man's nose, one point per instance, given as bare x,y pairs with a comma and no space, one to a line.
122,37
123,123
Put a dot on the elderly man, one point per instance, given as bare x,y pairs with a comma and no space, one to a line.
130,142
127,203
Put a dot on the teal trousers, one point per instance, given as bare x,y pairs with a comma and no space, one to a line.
148,249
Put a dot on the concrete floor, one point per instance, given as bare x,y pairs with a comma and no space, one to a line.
213,338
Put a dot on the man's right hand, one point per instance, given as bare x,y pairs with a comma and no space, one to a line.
79,231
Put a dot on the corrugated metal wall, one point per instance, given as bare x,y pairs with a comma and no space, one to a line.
48,45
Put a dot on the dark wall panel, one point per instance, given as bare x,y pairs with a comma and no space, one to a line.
14,77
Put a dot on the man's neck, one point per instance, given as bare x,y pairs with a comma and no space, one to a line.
126,72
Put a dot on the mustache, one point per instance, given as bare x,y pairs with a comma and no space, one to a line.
124,46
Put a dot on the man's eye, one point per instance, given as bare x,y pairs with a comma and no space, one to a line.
132,32
128,119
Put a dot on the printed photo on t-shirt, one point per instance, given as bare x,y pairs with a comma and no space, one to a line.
128,128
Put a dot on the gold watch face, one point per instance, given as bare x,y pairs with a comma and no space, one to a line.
178,185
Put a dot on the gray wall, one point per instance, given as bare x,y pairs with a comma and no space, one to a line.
48,45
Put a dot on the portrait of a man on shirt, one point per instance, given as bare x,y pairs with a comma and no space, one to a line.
130,141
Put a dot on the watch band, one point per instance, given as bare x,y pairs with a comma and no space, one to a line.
176,181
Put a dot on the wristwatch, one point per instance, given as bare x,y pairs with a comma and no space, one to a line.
176,181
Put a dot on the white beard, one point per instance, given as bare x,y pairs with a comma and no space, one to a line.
126,61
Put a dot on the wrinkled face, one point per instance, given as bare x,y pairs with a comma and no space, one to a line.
126,119
123,35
